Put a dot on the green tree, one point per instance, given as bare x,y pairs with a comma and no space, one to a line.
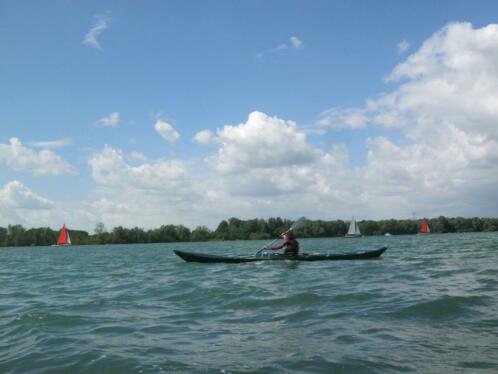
3,236
221,232
200,234
16,236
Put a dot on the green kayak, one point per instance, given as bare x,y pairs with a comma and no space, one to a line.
210,258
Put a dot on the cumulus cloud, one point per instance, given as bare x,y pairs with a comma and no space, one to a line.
16,195
138,156
204,137
452,80
167,131
99,24
261,142
443,160
442,106
109,168
151,193
445,105
19,205
111,120
17,157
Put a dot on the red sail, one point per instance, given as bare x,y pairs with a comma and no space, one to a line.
62,236
423,228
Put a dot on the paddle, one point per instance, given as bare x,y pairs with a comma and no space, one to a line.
299,223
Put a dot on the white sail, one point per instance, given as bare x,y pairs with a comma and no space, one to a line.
354,229
68,239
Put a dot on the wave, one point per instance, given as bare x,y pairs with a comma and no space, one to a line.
443,307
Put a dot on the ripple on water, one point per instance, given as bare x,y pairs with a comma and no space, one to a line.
443,307
429,305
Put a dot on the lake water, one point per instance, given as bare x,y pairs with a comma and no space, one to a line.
429,305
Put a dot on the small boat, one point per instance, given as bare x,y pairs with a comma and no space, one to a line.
63,239
354,230
424,226
387,234
209,258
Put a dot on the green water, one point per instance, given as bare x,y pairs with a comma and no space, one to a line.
429,305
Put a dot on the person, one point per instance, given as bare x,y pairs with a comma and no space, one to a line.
290,245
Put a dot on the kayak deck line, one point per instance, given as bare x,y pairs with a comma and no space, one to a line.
210,258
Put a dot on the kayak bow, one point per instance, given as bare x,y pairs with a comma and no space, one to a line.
208,258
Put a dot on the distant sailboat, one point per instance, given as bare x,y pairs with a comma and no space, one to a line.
354,230
424,226
63,238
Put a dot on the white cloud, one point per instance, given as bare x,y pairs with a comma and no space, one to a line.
452,80
110,169
204,137
19,205
111,120
100,23
443,160
293,42
339,118
261,142
16,195
147,195
446,108
52,143
338,156
281,47
138,156
17,157
167,131
403,46
296,42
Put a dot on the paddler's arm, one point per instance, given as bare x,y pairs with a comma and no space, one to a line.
275,247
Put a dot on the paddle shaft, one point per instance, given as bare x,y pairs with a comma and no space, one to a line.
296,225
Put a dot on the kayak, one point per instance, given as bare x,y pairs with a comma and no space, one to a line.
208,258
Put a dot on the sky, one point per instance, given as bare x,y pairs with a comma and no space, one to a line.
190,112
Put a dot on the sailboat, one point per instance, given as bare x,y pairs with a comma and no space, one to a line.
424,226
63,238
354,230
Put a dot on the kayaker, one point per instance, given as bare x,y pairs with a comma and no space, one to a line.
290,245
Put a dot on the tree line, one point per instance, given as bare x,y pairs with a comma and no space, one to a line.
236,229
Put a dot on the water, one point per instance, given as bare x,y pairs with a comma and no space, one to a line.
429,305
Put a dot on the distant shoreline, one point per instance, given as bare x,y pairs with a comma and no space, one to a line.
236,229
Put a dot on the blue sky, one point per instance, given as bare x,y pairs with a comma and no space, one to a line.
124,88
